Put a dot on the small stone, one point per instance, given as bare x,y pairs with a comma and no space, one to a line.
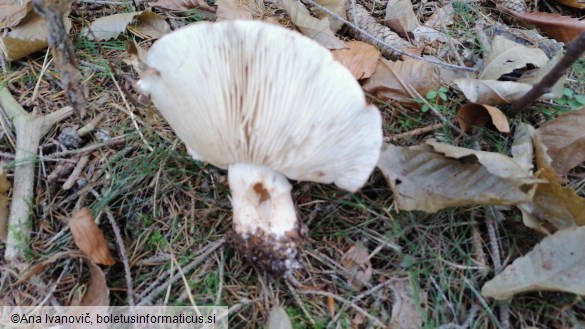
70,138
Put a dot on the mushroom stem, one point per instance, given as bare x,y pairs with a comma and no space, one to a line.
266,228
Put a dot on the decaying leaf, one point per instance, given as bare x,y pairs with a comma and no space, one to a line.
4,188
435,176
148,25
359,57
278,319
337,7
472,114
233,9
402,11
579,4
89,238
556,263
97,292
13,11
182,5
506,55
494,92
356,261
522,150
534,76
29,36
137,56
314,28
564,138
407,304
392,79
561,28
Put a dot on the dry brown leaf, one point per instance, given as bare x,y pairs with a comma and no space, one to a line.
556,263
4,204
137,56
561,28
506,55
479,115
407,304
492,92
564,138
337,7
278,319
89,238
579,4
331,306
522,150
435,176
233,9
391,80
109,27
402,11
149,25
183,5
441,17
356,261
28,36
97,292
359,57
314,28
13,11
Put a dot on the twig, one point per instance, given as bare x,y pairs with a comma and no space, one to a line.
504,306
156,288
30,128
414,133
384,44
76,172
575,49
111,141
300,303
123,254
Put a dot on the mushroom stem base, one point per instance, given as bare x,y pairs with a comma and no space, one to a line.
277,256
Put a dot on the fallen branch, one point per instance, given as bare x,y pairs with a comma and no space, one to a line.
575,49
30,128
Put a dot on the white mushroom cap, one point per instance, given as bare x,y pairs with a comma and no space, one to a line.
255,95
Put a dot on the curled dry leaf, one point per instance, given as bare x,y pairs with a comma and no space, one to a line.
359,57
506,55
182,5
148,25
4,188
97,292
579,4
556,263
233,9
13,11
564,138
494,92
314,28
435,176
402,11
356,261
561,28
392,80
336,6
479,115
28,36
89,238
278,319
407,304
522,150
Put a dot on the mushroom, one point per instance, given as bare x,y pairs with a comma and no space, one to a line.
265,103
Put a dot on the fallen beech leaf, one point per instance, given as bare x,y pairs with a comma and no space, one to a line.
407,304
109,27
561,28
534,76
579,4
356,261
522,149
402,11
149,25
506,55
336,6
359,57
314,28
233,9
492,92
391,80
89,238
28,36
13,11
278,319
479,115
564,138
4,204
556,263
435,176
183,5
137,56
97,292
